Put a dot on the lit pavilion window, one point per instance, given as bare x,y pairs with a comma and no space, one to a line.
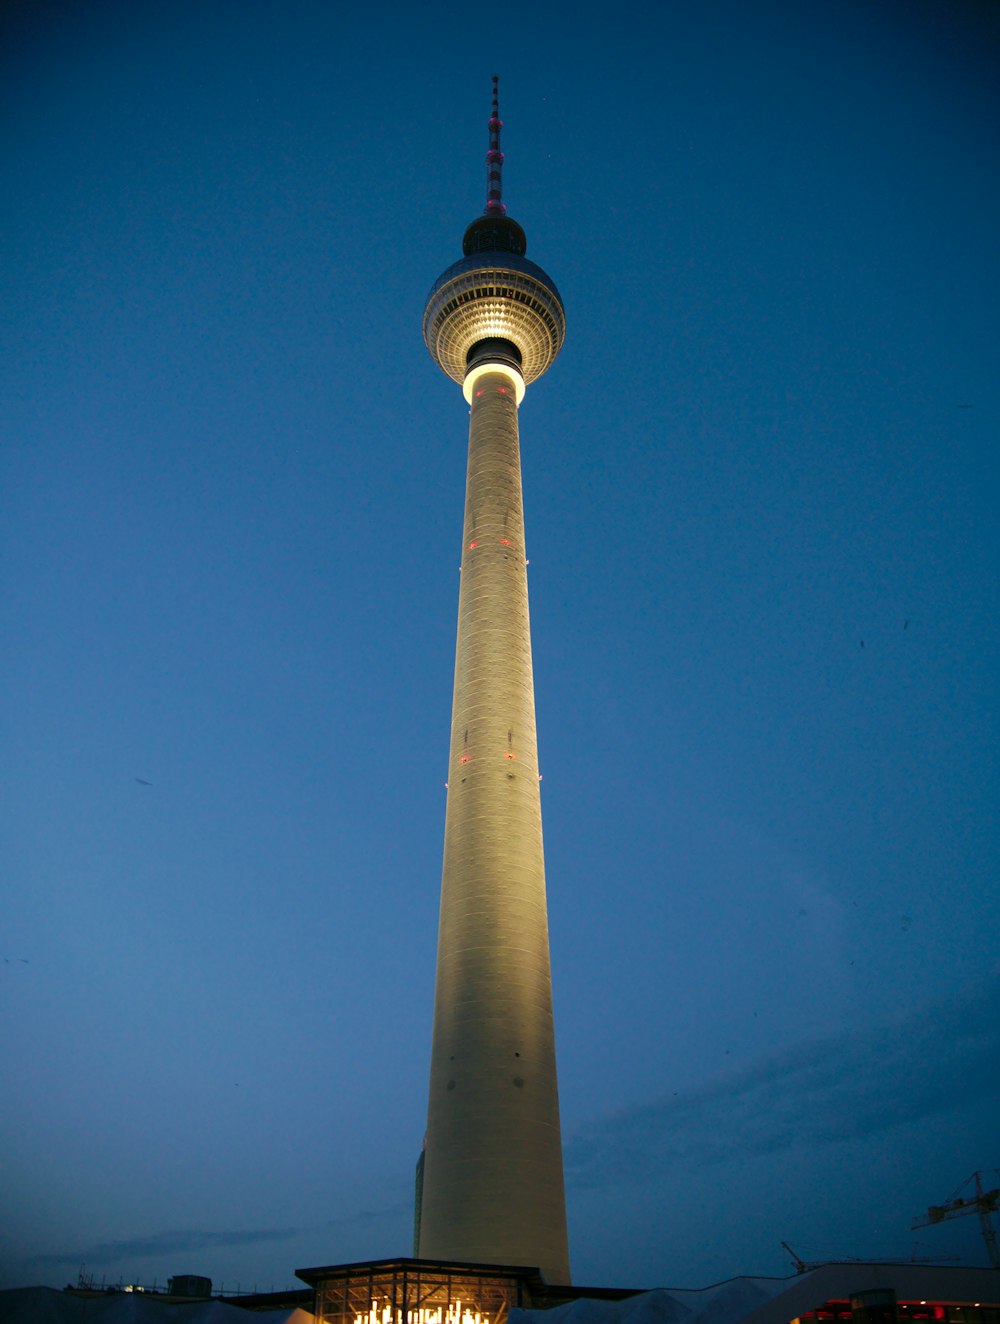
455,1312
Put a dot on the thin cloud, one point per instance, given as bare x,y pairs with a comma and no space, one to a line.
404,1206
195,1239
372,1217
827,1090
163,1243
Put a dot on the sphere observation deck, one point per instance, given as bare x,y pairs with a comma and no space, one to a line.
494,296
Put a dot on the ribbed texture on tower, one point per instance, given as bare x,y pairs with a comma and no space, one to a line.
493,1177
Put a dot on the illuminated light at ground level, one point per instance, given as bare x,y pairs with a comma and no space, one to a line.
454,1313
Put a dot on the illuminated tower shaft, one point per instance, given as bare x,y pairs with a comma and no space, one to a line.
492,1185
493,1180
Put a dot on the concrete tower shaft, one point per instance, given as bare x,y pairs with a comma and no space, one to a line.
493,1174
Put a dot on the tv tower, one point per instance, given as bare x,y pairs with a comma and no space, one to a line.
491,1184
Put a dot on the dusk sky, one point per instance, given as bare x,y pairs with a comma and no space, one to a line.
761,500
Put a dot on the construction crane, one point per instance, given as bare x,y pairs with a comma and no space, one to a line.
804,1266
982,1203
800,1265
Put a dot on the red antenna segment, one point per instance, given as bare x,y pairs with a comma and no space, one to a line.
494,159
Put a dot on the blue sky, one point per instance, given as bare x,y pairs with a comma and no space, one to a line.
761,495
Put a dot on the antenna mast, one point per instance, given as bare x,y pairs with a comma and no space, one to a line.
494,159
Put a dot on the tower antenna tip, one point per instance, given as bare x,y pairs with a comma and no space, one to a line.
494,159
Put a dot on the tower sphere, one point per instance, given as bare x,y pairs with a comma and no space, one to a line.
493,305
494,295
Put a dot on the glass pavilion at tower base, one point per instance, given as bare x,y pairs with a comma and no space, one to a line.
416,1291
